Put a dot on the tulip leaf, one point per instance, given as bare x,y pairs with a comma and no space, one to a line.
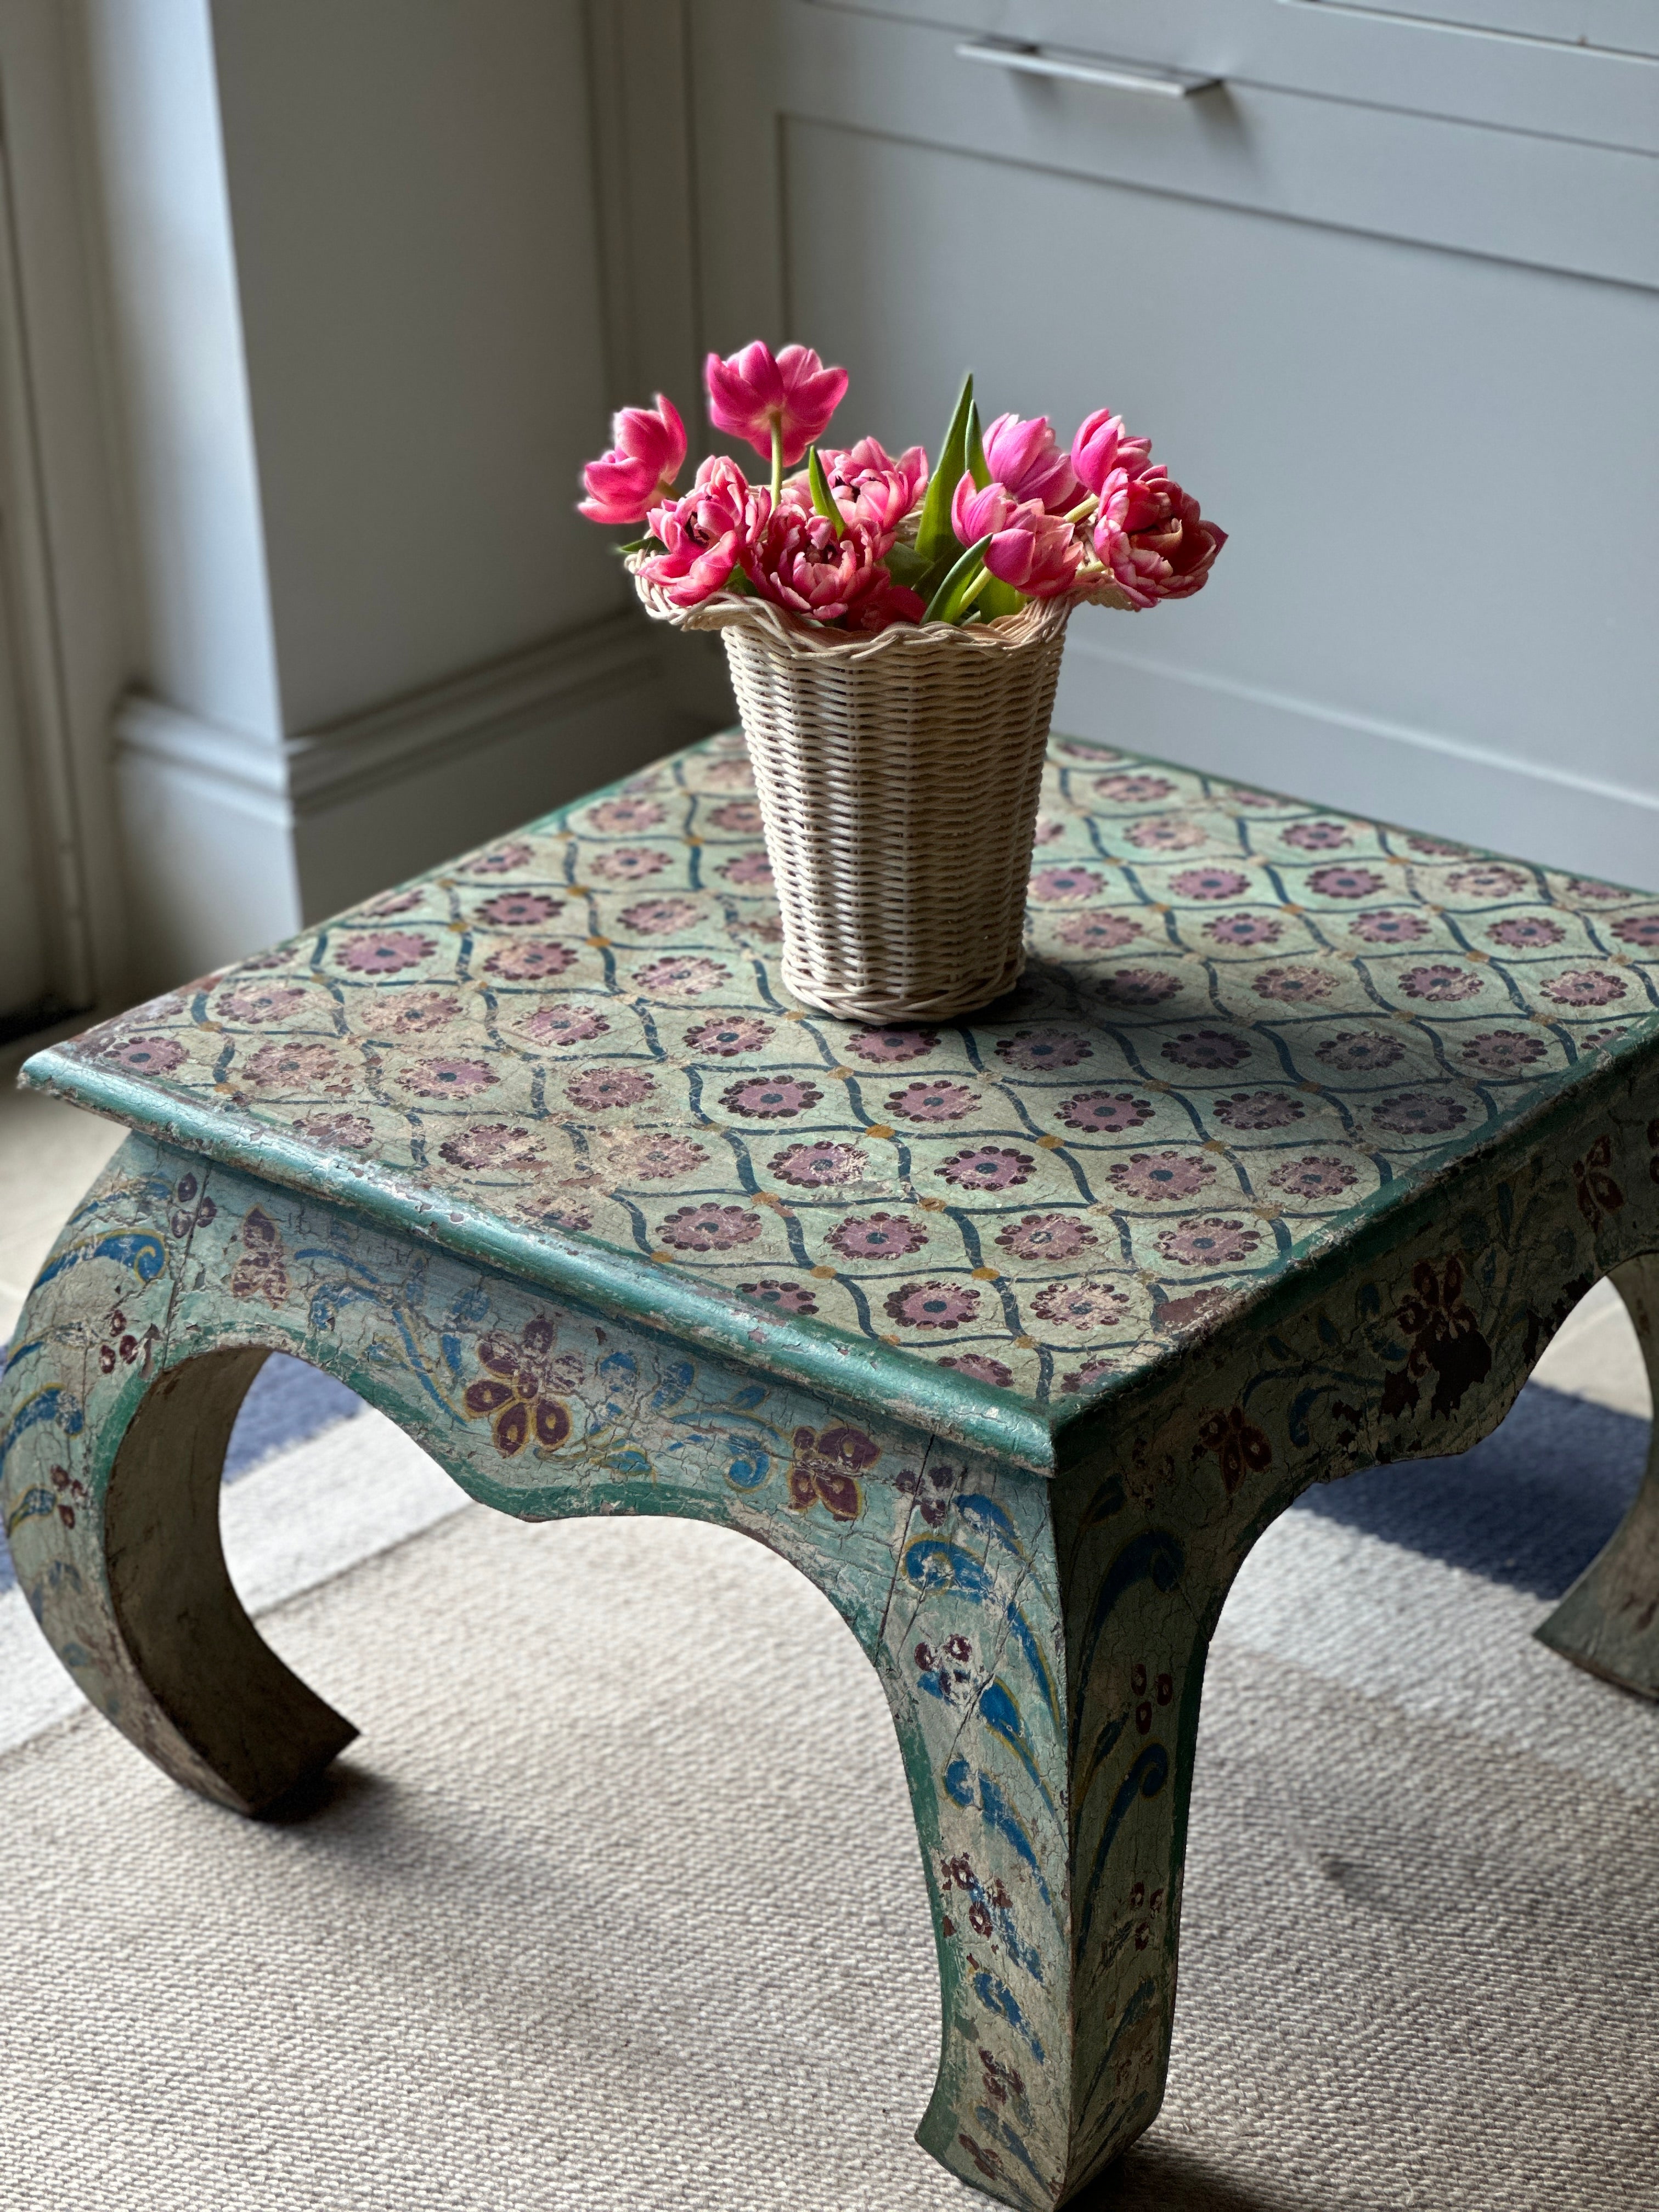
821,499
946,602
934,535
1000,599
978,467
906,566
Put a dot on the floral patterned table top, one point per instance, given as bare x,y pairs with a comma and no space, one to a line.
1247,1023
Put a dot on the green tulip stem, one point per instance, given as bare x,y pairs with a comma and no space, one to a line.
777,461
972,593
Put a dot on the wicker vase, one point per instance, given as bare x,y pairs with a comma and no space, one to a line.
898,777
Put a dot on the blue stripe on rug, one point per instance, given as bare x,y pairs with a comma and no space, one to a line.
286,1402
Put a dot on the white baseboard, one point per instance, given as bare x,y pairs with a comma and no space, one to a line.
1422,779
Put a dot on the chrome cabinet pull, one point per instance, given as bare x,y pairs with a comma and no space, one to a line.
1032,61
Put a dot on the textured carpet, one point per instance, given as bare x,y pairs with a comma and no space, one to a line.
616,1906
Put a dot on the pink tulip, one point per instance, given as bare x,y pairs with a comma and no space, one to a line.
800,563
1024,459
752,395
624,484
707,534
1035,551
1100,445
868,486
1150,537
887,604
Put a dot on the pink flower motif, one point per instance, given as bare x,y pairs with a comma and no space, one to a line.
1357,1051
1641,929
573,1218
1259,1109
146,1055
1585,887
493,1145
771,1098
561,1025
1597,1039
681,979
1065,884
1242,929
1024,459
1585,987
1526,932
704,536
288,1067
1209,1242
801,565
1035,551
1102,447
1207,1048
1165,833
710,1228
755,396
650,1156
988,1167
274,1004
817,1167
383,907
1441,984
615,817
1105,1113
409,1013
1435,848
877,1236
501,860
1209,884
1345,882
597,1089
1420,1113
932,1306
980,1367
628,864
351,1132
531,959
1487,879
1129,789
783,1297
1314,1176
1384,928
1151,539
748,868
1088,1304
385,954
446,1079
1294,986
730,772
728,1035
739,818
1086,1376
1098,933
1038,1050
659,917
1317,836
922,1101
1048,830
892,1044
517,910
647,449
1152,1176
1503,1052
1140,987
1049,1237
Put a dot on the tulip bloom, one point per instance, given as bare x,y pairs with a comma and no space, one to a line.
1100,445
624,484
707,534
1035,551
1023,458
782,405
1151,538
868,486
800,564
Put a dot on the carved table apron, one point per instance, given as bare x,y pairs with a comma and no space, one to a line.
1296,1144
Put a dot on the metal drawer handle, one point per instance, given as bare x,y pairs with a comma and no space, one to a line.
1032,61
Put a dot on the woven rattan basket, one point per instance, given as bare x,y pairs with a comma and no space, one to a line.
898,777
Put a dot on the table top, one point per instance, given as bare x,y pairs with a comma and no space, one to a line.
1251,1028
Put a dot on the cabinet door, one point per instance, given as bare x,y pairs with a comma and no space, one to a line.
1407,360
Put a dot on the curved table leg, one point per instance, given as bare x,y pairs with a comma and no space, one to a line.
1609,1621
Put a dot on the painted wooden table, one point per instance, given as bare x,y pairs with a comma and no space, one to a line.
1297,1142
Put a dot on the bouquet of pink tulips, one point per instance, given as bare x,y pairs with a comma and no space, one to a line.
857,540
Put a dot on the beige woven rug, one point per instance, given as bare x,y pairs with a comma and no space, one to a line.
616,1907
